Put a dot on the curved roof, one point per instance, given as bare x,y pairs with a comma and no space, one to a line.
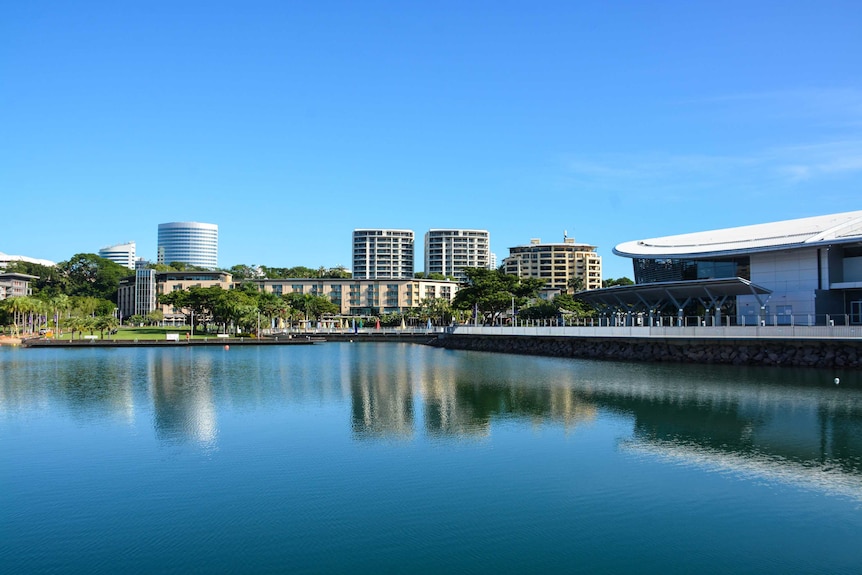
6,258
835,228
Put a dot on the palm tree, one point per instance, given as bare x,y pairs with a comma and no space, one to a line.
104,322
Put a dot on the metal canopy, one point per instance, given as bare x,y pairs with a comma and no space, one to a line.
654,296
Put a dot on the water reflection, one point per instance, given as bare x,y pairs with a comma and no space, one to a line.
182,397
785,424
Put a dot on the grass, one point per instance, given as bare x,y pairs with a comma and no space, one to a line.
133,333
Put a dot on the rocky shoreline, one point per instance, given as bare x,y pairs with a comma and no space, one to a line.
790,353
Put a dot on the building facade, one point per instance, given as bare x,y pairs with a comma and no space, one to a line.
15,285
383,254
138,294
566,267
365,297
123,254
190,243
806,271
449,251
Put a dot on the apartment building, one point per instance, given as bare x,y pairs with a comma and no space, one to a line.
449,251
382,254
567,266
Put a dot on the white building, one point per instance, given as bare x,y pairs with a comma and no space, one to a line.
449,251
123,254
382,254
190,243
804,271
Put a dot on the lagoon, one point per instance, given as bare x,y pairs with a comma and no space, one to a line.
402,458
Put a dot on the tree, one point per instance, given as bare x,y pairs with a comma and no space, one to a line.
492,292
623,281
50,280
93,276
103,323
155,317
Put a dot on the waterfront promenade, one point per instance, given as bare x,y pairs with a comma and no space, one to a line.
786,346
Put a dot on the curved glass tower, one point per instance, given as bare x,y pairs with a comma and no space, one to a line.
191,243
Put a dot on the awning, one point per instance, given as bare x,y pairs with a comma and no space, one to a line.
651,296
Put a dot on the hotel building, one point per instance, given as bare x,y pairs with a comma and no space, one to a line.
138,294
566,267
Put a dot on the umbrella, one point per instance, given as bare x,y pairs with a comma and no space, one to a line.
402,324
377,325
429,323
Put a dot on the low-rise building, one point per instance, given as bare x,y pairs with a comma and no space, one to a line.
15,285
365,297
138,294
805,271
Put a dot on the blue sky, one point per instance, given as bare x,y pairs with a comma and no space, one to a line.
289,124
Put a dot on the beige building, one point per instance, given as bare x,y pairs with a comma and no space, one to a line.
138,294
366,297
566,267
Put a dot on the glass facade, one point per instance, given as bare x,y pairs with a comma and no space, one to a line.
672,269
191,243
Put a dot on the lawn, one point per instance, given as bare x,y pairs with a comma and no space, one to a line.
132,333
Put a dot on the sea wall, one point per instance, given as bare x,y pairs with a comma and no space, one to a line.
790,353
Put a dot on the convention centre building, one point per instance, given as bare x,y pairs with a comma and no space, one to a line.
805,271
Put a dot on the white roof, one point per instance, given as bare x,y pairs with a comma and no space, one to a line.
6,258
835,228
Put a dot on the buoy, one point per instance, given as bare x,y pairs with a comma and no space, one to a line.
837,381
227,347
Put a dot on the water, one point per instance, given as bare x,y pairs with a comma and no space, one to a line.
398,458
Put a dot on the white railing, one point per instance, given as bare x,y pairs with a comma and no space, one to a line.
710,332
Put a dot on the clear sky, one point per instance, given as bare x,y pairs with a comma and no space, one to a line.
291,123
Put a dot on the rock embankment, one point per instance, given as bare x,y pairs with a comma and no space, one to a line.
795,353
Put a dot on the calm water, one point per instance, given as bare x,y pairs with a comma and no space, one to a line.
391,458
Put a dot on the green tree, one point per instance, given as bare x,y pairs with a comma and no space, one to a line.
93,276
623,281
104,323
155,317
492,292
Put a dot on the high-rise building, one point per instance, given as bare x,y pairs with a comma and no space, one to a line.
382,254
123,254
567,267
449,251
190,243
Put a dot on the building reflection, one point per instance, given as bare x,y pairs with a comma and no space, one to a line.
800,434
182,396
454,402
381,393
